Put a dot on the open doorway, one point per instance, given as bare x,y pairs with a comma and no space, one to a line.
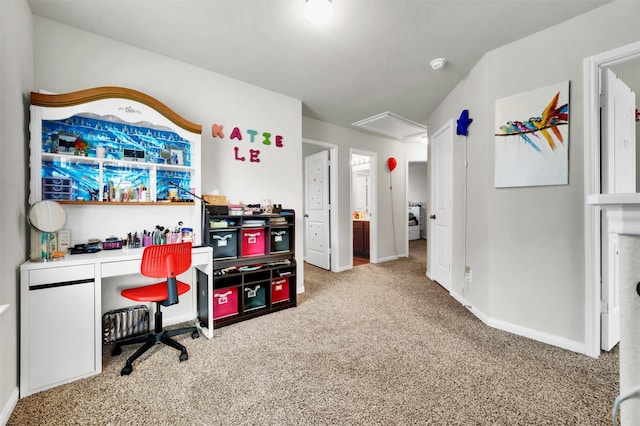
618,59
417,175
363,206
361,212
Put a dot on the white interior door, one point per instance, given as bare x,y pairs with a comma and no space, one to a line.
439,264
618,176
316,207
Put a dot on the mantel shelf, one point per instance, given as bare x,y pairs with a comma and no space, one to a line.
51,156
126,203
622,210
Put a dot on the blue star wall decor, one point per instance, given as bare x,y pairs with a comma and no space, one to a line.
463,123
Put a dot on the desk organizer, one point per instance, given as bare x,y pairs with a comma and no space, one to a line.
57,188
112,245
120,324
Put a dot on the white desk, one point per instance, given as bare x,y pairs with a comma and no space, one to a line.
61,313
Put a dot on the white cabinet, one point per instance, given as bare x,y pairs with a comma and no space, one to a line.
58,326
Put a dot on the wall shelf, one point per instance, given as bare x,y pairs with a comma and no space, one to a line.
109,148
112,146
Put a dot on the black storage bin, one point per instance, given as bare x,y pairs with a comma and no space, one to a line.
255,296
224,243
280,240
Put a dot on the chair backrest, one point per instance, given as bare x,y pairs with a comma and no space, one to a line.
166,261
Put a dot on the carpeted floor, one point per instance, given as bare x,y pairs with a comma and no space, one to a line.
380,344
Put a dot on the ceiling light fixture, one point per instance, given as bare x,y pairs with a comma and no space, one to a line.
318,12
438,63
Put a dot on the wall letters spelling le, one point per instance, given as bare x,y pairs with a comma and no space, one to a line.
217,131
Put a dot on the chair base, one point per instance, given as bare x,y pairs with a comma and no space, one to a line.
150,340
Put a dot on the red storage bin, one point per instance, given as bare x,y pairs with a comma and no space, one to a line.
253,242
225,302
280,290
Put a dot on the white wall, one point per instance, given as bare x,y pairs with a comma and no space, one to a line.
16,79
82,60
345,139
526,245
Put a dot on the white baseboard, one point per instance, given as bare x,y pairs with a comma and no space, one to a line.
529,333
388,259
9,407
540,336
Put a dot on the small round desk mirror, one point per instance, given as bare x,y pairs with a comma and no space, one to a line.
47,216
165,154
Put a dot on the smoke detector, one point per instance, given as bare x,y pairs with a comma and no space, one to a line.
438,63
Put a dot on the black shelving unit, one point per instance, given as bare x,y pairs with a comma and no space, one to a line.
254,268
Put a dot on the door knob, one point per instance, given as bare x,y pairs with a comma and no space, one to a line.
433,216
306,215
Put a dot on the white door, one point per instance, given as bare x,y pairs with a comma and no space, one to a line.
316,207
618,175
439,264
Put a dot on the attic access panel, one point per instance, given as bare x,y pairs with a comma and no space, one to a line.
390,124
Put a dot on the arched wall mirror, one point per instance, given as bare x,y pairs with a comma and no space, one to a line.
47,216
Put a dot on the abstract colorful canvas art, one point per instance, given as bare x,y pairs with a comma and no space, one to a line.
532,138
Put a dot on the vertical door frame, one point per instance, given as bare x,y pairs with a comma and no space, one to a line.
592,70
373,204
406,199
333,197
445,128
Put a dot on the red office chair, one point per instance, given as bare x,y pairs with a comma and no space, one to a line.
160,261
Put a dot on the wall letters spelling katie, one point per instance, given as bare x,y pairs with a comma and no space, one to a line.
254,154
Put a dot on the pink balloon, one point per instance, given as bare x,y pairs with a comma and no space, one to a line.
392,163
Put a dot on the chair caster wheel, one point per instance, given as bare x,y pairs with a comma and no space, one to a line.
117,350
126,370
184,356
195,335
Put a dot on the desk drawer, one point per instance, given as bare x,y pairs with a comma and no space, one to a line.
125,267
200,258
61,274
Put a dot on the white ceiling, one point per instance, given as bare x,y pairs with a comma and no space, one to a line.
372,57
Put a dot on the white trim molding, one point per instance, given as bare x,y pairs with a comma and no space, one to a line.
592,68
9,407
333,191
529,333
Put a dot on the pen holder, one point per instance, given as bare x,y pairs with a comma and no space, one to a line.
147,241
